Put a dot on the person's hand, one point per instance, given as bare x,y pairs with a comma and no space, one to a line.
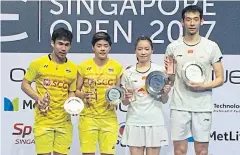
167,88
128,94
42,103
196,85
166,62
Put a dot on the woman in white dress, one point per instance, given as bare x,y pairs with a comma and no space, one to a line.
145,127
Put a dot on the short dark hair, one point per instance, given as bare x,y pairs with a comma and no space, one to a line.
101,36
192,8
144,38
62,34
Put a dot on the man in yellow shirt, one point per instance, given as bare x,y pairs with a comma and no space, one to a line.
98,120
55,78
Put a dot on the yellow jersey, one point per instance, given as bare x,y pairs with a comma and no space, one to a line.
55,79
96,81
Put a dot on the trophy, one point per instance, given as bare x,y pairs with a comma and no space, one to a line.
91,90
114,95
171,65
73,105
193,72
155,83
129,86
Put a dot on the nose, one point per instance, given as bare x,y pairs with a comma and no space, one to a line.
143,52
192,22
102,48
64,48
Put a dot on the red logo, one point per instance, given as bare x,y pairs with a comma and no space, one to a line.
22,132
55,83
46,82
190,51
121,129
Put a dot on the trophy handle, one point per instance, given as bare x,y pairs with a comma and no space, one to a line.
171,69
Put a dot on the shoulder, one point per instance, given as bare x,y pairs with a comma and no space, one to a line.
86,62
157,67
115,63
40,60
175,43
71,64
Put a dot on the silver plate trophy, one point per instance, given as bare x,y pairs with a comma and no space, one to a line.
155,83
114,95
193,72
73,105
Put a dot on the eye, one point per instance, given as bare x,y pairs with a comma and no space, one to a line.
196,19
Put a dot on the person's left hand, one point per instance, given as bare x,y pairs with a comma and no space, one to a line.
196,85
167,88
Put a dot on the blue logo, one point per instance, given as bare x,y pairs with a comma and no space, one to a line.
11,105
190,139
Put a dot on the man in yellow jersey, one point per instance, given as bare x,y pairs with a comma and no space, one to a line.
98,120
55,78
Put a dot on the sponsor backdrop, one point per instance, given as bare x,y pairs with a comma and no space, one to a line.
17,108
25,36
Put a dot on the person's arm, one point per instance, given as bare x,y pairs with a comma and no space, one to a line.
79,92
216,61
73,87
169,52
164,98
31,74
29,77
219,76
127,94
26,88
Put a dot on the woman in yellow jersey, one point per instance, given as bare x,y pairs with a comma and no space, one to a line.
55,78
98,120
145,128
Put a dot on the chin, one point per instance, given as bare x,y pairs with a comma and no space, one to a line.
143,61
62,57
102,58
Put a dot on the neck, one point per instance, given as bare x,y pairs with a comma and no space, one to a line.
56,59
100,62
143,66
192,39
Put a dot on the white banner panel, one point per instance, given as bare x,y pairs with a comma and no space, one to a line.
16,133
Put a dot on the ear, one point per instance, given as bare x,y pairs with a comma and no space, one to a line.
182,22
52,43
202,21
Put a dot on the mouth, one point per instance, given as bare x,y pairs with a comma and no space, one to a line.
62,54
102,53
192,29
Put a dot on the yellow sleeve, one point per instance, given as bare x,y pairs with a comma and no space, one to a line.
73,85
80,69
32,71
120,71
